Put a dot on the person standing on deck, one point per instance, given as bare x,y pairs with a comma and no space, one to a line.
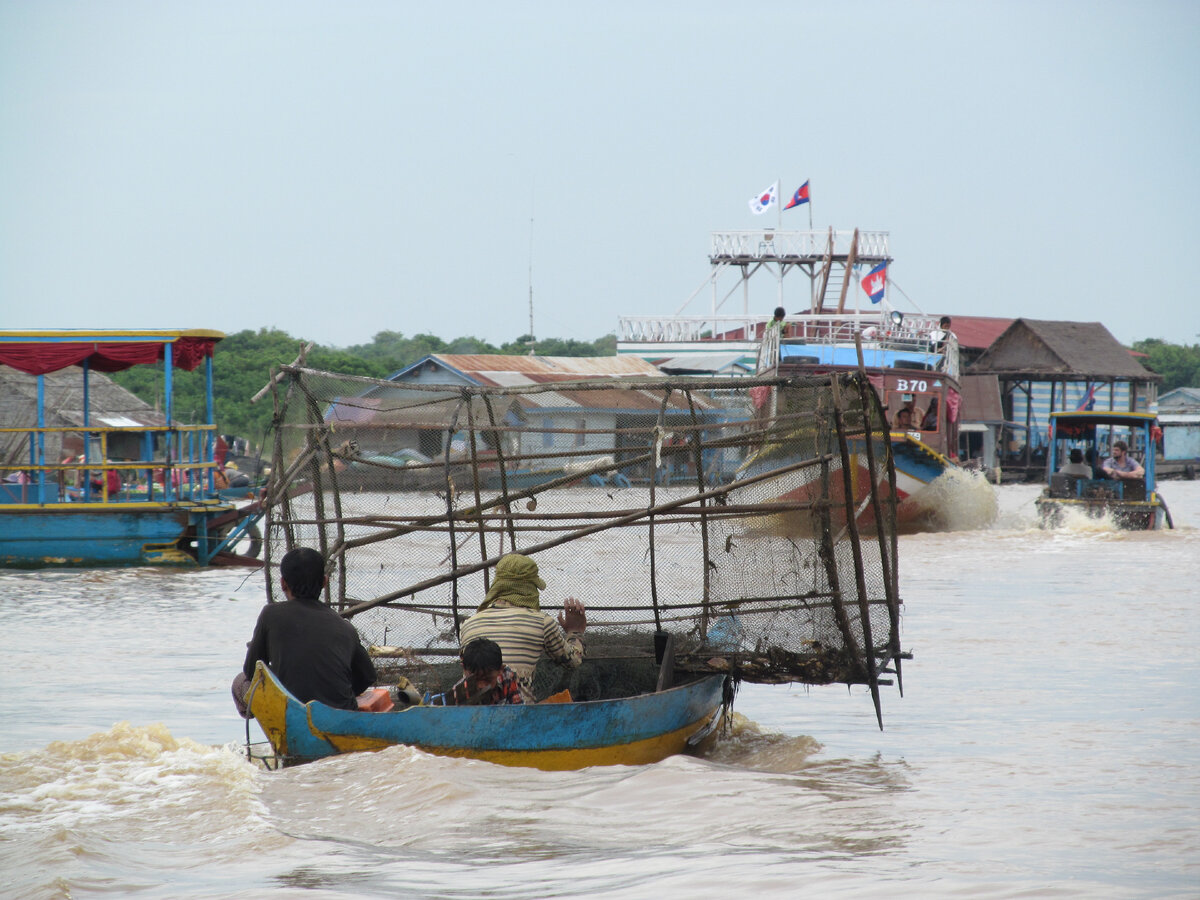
511,615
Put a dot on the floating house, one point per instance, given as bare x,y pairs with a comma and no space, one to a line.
1050,366
542,432
1179,418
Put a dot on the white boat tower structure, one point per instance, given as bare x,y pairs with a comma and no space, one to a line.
815,277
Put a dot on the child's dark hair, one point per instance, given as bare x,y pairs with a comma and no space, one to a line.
481,656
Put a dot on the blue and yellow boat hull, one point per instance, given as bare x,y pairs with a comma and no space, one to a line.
637,730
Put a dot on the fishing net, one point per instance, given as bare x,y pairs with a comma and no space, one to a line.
751,520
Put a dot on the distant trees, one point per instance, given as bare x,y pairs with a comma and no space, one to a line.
1178,364
244,360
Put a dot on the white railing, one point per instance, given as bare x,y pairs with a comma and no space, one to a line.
663,329
914,333
767,243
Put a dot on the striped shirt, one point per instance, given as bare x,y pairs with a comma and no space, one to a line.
523,635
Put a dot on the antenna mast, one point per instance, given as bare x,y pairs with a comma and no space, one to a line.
532,339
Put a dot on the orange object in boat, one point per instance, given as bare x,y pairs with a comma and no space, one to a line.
375,699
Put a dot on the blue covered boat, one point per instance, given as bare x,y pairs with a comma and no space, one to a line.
1131,502
101,488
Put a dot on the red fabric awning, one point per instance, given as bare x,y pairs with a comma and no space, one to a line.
41,357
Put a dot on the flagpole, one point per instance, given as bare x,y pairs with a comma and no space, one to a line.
778,230
810,225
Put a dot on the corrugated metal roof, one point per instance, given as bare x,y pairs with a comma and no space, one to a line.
977,332
575,366
705,362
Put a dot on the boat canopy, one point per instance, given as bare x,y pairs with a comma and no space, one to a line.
41,352
1075,419
825,355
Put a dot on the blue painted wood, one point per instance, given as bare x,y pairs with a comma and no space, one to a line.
68,537
520,728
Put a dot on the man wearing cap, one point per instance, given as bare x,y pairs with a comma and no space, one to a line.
511,615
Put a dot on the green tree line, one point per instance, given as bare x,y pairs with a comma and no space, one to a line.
243,362
1178,364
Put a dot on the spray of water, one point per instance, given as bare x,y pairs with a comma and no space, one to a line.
957,500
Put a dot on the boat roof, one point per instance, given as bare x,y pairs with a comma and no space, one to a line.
39,352
1104,417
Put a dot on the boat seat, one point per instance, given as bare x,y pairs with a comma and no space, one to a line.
1062,485
1133,489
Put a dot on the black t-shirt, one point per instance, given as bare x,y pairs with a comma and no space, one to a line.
313,651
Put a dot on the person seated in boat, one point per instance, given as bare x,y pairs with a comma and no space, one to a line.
235,477
313,651
1121,466
1076,466
929,421
511,615
904,419
109,478
486,681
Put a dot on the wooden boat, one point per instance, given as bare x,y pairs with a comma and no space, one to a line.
644,728
912,361
696,586
1131,504
161,506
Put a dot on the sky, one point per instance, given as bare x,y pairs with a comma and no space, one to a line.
341,169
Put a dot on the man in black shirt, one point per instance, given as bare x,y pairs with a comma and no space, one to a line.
310,648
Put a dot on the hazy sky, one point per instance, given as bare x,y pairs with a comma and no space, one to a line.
339,169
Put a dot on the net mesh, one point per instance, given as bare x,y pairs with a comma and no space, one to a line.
751,519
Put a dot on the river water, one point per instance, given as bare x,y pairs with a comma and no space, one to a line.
1047,745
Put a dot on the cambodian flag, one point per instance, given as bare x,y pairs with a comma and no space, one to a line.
765,200
875,281
801,196
1088,403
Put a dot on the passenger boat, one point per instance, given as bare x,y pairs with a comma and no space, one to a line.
691,587
1132,504
911,363
911,359
644,728
100,489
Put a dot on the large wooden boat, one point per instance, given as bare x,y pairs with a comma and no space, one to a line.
716,578
911,359
101,489
912,365
1131,503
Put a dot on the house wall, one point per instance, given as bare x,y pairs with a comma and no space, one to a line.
1181,440
539,442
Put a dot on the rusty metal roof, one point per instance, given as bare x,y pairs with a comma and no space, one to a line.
572,366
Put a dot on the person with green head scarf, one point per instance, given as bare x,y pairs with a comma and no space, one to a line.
512,616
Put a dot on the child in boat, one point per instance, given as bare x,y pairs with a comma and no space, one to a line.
486,680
